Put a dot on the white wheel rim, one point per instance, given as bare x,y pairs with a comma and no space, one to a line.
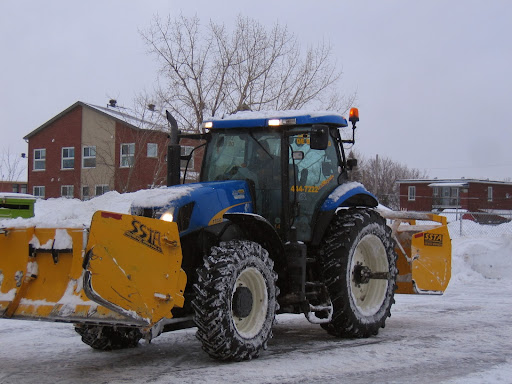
248,327
369,297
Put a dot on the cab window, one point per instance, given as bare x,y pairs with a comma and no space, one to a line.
313,175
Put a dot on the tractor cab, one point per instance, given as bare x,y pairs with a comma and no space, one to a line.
292,162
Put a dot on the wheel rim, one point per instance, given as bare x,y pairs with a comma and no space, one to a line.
369,297
250,326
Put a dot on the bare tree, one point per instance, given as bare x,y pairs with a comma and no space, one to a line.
12,166
379,176
211,71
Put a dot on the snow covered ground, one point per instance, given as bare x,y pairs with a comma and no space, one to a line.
464,336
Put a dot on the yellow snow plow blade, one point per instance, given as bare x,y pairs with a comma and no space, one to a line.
128,274
424,252
133,266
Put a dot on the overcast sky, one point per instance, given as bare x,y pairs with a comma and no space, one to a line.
433,78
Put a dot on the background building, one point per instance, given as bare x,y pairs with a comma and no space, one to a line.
493,197
87,150
13,186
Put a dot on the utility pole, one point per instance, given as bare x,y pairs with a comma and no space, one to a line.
376,182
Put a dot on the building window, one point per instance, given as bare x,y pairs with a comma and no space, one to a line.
89,157
67,191
68,158
185,151
15,188
39,159
38,192
86,195
412,193
101,189
489,193
23,188
152,150
127,155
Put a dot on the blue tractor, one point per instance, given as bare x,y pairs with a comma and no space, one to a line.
275,226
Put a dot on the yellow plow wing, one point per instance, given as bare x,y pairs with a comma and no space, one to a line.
128,274
424,251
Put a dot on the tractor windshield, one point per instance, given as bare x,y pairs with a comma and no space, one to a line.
248,155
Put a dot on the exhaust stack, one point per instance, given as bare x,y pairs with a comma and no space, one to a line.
173,153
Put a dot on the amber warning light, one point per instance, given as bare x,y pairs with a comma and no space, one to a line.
354,115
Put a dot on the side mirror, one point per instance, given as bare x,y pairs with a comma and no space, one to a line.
351,164
319,137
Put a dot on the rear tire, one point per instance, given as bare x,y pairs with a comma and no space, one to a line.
358,244
235,301
108,338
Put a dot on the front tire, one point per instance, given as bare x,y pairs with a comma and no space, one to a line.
108,338
359,268
235,301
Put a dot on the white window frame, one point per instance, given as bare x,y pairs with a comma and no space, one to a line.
489,194
39,191
411,193
185,151
88,156
39,158
67,158
124,159
86,196
152,150
67,191
103,187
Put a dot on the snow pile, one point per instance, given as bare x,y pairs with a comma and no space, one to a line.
161,196
74,213
71,213
483,253
7,195
242,115
481,258
475,229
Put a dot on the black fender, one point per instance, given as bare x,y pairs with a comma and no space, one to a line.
259,230
323,218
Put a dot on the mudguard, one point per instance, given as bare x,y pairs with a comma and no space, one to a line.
349,194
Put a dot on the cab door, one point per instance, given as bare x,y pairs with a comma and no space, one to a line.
313,175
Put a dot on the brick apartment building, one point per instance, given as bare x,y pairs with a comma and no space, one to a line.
87,150
467,194
13,186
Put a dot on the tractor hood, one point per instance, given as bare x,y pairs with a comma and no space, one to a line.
196,205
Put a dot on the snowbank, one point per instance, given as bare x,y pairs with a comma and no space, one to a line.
481,258
485,253
72,213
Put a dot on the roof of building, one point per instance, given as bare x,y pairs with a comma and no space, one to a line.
448,184
147,119
451,182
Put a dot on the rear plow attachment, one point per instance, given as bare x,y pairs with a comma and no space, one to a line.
423,246
129,273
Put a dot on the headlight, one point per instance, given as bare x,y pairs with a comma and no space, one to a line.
168,215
